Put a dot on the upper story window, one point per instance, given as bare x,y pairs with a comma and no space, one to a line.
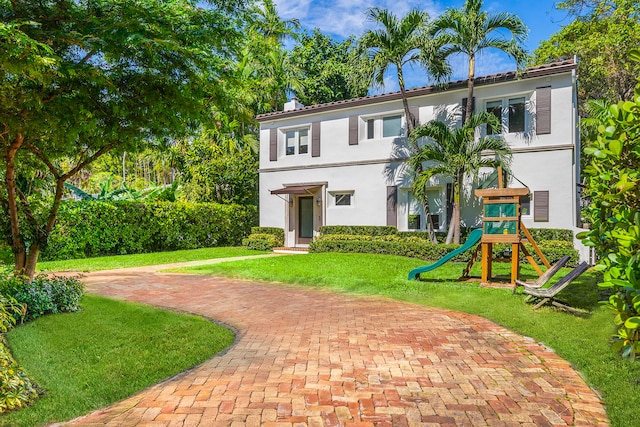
297,141
384,127
510,112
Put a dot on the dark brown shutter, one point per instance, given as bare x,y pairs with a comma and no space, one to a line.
353,130
543,110
392,203
415,116
541,206
464,108
273,144
315,139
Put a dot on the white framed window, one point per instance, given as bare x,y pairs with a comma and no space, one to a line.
296,141
342,198
511,112
525,205
388,126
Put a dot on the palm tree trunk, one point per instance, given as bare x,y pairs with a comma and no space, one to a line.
414,149
456,208
470,84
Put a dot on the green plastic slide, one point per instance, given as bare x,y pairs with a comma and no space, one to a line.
472,240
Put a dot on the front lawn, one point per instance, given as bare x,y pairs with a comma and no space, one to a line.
104,353
582,340
139,260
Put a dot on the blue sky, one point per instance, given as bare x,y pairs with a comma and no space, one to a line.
342,18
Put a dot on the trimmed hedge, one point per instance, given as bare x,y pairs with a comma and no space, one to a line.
415,246
92,228
274,231
545,234
363,230
400,247
264,238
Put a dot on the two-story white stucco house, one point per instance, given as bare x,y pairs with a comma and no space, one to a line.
344,163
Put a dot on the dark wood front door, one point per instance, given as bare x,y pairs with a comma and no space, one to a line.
305,220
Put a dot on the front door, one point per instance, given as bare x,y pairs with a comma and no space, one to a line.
305,220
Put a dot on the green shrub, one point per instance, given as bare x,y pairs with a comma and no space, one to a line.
9,310
93,228
553,250
387,246
261,242
422,235
543,234
277,232
368,230
16,389
613,179
43,295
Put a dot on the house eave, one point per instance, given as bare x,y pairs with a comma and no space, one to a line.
539,71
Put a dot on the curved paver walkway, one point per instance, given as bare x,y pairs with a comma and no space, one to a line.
306,357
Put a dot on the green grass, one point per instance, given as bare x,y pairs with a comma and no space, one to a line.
138,260
104,353
582,340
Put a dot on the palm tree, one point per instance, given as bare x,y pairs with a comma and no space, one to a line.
268,22
400,42
458,154
469,30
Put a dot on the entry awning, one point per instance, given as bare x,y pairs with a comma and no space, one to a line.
296,189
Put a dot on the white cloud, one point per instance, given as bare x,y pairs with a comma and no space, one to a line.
345,17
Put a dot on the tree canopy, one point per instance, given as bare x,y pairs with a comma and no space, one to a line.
600,36
81,78
324,69
458,154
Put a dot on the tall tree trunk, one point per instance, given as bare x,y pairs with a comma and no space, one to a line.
17,242
470,84
456,208
414,149
32,261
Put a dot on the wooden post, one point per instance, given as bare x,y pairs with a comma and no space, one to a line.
515,262
487,258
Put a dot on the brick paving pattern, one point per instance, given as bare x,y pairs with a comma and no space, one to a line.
306,357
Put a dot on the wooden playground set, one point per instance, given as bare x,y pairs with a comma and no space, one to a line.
502,224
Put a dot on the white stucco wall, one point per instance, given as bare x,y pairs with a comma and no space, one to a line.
541,162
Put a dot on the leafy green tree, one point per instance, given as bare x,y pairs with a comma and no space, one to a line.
613,185
458,154
597,36
324,68
470,30
211,171
98,76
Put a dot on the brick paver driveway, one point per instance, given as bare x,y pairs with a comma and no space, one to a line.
305,357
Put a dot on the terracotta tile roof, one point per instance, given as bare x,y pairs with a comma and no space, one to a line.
540,70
